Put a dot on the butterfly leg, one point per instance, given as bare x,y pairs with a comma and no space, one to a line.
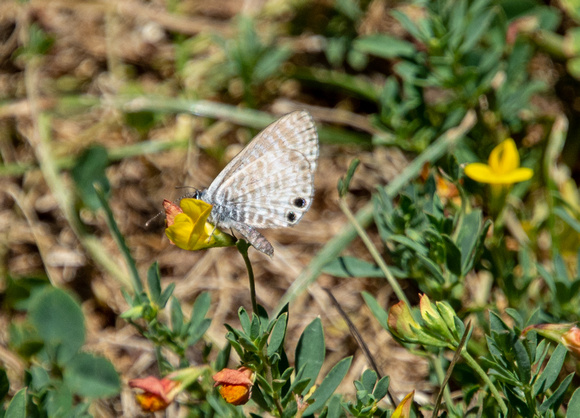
258,241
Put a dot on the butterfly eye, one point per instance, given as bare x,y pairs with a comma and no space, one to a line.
299,202
291,216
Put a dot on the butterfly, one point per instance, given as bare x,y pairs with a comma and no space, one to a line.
270,183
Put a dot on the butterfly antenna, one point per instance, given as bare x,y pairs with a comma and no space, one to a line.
194,194
148,223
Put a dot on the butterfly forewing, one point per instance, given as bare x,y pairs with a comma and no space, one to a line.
270,183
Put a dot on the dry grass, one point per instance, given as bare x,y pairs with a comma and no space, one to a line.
98,47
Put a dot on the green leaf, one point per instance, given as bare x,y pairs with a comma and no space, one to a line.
196,333
378,312
221,361
368,379
382,388
551,371
91,376
310,353
166,295
278,334
269,63
154,282
328,385
4,384
59,321
88,170
245,321
347,266
344,182
554,401
200,309
524,367
17,406
198,323
384,46
59,401
574,405
452,256
176,316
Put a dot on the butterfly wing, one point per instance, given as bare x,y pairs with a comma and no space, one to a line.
271,182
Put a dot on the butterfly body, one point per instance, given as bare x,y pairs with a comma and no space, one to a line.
270,183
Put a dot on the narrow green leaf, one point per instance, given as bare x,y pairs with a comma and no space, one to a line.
310,353
200,309
245,321
154,282
381,388
551,371
574,405
176,316
452,256
166,295
328,385
347,266
195,334
277,335
554,401
384,46
378,312
344,182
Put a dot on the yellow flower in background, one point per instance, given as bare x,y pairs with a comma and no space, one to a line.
502,168
188,228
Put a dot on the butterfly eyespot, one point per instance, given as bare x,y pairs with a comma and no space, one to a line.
299,202
291,216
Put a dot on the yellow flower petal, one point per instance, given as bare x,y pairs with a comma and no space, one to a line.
503,167
504,158
191,231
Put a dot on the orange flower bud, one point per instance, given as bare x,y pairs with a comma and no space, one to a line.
566,334
235,385
157,393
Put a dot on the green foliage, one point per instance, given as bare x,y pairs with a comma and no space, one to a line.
250,59
62,380
369,391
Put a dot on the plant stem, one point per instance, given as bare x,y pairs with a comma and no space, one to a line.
476,367
242,247
373,251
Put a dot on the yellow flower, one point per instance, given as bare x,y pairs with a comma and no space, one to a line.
503,166
188,228
235,386
404,408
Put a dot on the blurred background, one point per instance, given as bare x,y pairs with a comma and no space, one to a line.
146,96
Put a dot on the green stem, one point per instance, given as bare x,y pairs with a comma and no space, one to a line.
476,367
373,251
242,247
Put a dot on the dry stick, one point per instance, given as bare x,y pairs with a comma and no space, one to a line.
365,216
359,339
